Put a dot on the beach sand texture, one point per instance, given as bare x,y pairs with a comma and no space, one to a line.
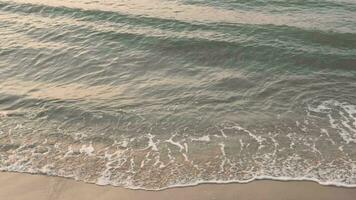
16,186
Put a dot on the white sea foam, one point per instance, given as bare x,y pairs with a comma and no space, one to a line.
103,181
181,147
342,118
151,143
205,138
258,138
117,158
239,157
87,149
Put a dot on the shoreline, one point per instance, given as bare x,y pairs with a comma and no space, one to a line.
18,186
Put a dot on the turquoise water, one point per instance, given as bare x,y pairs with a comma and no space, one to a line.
156,94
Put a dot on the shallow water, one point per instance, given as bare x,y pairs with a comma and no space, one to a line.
156,94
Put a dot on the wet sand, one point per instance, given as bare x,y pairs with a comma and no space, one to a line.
17,186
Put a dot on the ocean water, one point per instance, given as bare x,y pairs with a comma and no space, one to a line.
153,94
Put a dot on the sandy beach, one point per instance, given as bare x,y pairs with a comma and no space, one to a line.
17,186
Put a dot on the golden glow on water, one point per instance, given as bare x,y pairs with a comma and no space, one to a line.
38,22
71,91
193,13
77,91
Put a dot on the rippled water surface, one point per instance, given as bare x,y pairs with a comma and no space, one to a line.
153,94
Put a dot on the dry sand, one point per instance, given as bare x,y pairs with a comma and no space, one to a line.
16,186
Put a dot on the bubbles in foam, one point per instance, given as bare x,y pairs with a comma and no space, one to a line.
310,148
205,138
342,118
87,149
